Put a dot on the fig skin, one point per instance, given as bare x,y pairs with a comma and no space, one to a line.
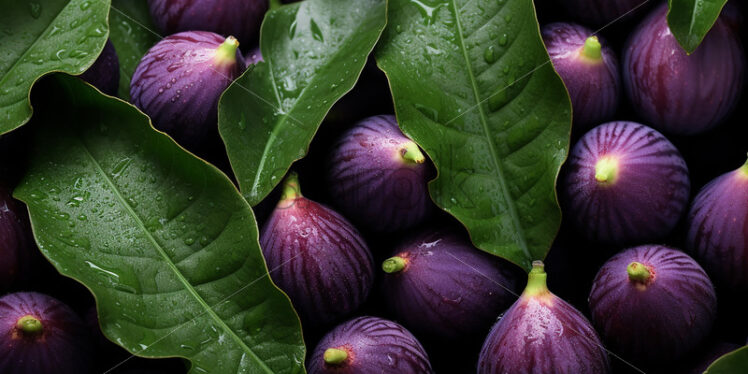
678,93
371,345
104,73
542,334
54,339
652,304
317,257
241,18
439,276
378,177
589,69
625,183
179,81
600,12
13,247
707,356
718,229
253,57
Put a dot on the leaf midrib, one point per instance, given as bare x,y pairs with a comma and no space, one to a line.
166,258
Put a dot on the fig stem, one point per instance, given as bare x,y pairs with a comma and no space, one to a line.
30,325
334,356
412,153
394,264
638,272
536,280
291,189
606,170
226,52
744,169
592,48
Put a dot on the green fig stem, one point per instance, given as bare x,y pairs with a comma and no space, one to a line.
291,190
638,272
606,170
744,169
226,52
394,265
412,153
334,356
30,325
537,280
592,49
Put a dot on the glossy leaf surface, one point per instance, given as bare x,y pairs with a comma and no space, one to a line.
691,20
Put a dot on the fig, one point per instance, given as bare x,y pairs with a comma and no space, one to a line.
317,257
179,81
253,57
104,73
652,304
600,12
40,334
542,334
369,345
589,69
378,177
625,183
13,255
706,356
241,18
679,93
439,276
718,229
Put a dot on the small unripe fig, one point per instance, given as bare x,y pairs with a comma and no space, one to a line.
378,176
179,81
436,277
317,257
369,345
39,334
600,12
13,251
589,69
718,229
104,73
679,93
625,183
542,334
652,304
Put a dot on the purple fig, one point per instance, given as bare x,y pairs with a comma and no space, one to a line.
718,229
104,73
180,79
253,57
317,257
369,345
13,251
652,304
241,18
589,69
436,277
601,12
706,356
542,334
40,334
679,93
625,183
378,176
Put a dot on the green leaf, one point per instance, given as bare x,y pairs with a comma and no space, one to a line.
314,52
42,36
132,33
473,85
731,363
691,20
164,241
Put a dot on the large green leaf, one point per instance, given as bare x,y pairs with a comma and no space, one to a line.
42,36
164,241
732,363
132,33
314,52
691,20
474,87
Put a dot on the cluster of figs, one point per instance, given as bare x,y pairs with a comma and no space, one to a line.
624,186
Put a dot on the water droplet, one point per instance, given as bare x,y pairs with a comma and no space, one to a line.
316,31
503,39
292,30
85,5
189,241
35,9
490,55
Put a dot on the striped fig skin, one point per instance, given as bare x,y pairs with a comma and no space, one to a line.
179,81
600,12
318,258
62,346
240,18
372,183
12,241
718,229
658,320
104,73
647,197
374,346
447,279
594,84
679,93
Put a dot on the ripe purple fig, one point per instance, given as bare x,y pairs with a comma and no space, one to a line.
542,334
40,334
104,73
600,12
378,176
718,229
652,304
241,18
679,93
317,257
625,183
369,345
589,69
179,81
436,277
13,251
